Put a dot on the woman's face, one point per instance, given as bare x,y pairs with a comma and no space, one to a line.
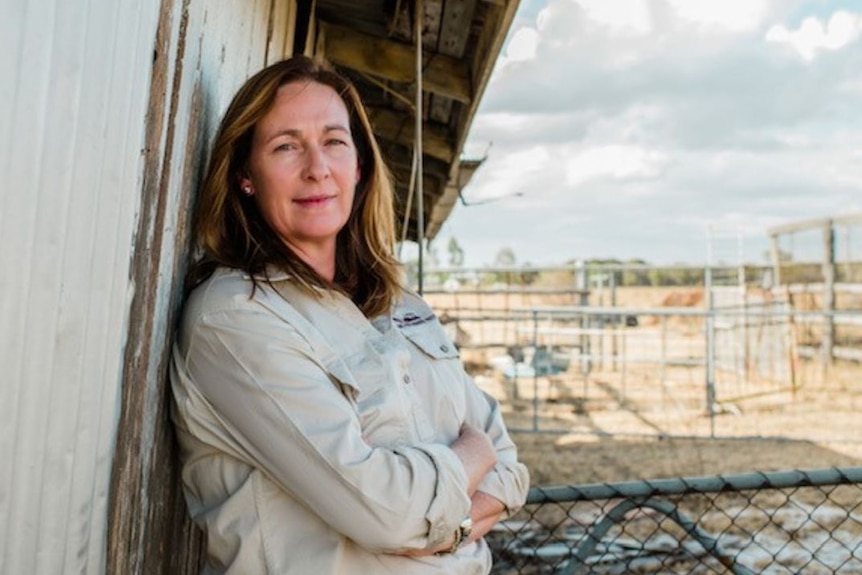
303,167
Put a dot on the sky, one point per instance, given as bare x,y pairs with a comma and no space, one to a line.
664,130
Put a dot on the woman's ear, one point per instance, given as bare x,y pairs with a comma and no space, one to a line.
246,185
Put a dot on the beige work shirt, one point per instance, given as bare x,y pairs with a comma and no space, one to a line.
315,442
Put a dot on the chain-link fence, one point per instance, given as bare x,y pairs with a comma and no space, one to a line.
789,522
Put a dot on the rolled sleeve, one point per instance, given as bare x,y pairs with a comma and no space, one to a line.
509,480
509,483
451,502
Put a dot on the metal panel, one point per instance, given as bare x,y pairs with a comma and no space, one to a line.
73,106
205,50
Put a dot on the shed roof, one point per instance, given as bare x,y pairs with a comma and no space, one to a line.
373,42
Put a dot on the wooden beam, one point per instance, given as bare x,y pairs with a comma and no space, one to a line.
394,61
399,128
799,225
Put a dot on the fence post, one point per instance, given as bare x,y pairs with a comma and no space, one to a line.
710,349
581,285
827,340
775,252
535,371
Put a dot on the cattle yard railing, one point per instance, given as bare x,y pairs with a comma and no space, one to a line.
721,342
785,522
666,367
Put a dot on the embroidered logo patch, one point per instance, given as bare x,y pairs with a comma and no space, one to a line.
411,319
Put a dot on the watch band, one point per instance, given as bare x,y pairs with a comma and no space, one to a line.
462,533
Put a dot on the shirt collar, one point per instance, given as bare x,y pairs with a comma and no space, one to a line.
272,274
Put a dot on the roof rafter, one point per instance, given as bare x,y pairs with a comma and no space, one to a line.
394,61
399,128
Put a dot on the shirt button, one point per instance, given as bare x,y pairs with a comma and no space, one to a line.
444,348
406,379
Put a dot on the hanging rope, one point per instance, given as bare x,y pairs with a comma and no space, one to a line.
420,207
409,202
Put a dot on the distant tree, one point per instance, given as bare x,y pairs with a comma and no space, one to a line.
433,277
528,276
432,259
607,266
636,275
505,258
456,253
411,270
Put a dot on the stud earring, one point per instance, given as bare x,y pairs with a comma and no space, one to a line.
247,190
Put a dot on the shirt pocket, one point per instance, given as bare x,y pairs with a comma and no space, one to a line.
377,397
440,377
432,340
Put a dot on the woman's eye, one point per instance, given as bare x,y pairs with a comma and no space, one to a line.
336,142
288,146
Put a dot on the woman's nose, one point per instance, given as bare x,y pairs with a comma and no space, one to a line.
316,165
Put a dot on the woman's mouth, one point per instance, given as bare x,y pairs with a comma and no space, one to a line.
312,201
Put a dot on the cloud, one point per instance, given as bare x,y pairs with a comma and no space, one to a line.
731,15
615,162
523,168
629,131
814,36
620,16
522,46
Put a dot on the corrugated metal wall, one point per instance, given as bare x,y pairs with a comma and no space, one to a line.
105,108
74,96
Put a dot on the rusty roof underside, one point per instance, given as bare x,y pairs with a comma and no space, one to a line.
373,42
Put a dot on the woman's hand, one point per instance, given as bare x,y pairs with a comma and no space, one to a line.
485,510
476,452
430,550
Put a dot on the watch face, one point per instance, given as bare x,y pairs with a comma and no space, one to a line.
466,526
464,530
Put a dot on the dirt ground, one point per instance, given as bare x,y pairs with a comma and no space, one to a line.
617,430
577,459
613,444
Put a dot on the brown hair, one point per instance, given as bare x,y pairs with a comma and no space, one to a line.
232,232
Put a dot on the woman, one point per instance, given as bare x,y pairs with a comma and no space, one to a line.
325,421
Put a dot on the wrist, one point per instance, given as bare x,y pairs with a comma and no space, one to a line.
462,533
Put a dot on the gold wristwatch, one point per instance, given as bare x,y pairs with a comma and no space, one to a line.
461,535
